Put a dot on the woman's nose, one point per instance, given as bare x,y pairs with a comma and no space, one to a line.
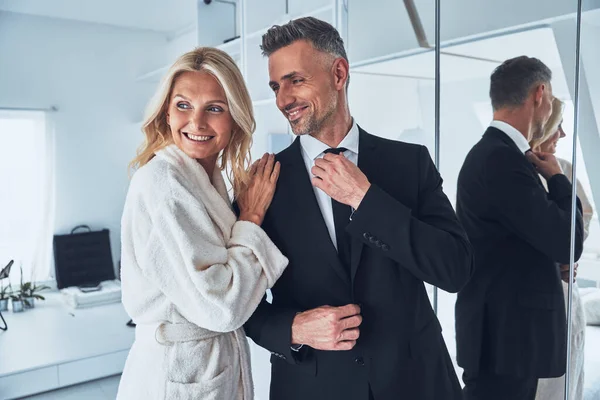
198,120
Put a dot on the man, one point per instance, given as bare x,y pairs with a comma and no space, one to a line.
350,318
510,317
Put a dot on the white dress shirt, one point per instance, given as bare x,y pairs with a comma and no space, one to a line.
512,133
311,150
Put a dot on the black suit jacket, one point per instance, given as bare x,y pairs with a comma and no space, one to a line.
510,317
405,232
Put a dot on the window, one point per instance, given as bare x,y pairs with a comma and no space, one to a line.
26,199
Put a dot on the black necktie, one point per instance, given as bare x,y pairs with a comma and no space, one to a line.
341,218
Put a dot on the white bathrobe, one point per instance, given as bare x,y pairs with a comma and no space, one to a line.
554,388
191,277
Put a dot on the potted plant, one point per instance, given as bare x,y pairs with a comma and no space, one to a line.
17,302
5,292
30,292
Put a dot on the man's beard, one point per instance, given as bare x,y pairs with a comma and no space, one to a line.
310,124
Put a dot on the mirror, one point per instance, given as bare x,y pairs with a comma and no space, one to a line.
584,348
473,45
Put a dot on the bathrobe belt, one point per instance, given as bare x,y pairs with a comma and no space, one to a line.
167,333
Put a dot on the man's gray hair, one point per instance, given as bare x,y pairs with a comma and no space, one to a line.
513,80
320,34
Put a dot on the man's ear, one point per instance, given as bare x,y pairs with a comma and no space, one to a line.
539,93
341,70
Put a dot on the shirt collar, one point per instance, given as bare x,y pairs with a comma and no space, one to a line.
513,134
314,148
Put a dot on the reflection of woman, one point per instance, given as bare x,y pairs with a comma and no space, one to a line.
193,274
550,389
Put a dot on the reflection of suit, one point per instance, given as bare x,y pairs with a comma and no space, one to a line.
510,317
404,232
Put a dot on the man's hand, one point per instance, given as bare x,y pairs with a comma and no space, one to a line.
545,163
564,272
328,328
340,179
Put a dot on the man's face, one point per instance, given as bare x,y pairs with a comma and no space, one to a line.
304,85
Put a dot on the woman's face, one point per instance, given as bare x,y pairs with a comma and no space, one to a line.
199,118
549,146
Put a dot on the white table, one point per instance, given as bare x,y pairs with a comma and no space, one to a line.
53,346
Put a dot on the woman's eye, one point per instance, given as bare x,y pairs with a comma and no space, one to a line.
183,106
215,109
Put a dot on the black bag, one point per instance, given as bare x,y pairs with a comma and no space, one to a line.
83,259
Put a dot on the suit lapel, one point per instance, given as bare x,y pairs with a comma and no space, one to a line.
311,223
367,163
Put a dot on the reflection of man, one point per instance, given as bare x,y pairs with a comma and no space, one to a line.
350,317
510,317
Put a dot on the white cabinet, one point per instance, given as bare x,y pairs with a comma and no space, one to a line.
269,120
28,382
303,7
53,346
258,71
91,368
262,14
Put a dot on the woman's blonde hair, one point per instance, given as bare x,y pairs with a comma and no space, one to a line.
219,64
558,108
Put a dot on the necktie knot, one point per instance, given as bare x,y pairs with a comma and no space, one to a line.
335,150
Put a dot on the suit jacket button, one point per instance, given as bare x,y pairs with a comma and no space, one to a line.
378,243
385,247
373,239
360,361
367,235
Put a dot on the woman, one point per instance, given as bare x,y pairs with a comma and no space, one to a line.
553,388
192,274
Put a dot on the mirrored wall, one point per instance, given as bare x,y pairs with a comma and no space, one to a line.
474,39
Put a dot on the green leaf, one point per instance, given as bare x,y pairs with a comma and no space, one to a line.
39,288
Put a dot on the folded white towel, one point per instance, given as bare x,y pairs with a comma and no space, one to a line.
110,292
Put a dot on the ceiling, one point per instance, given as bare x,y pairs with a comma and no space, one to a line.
477,59
164,16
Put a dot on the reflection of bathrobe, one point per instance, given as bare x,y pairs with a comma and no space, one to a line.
191,276
554,388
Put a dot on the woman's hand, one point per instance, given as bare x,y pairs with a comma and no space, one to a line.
564,272
256,199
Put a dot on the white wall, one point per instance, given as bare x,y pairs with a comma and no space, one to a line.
88,71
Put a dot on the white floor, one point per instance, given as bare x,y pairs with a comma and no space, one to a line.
102,389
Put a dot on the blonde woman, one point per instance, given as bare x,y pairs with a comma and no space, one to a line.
192,272
553,388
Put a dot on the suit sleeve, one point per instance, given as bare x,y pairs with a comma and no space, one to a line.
270,327
542,219
428,241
